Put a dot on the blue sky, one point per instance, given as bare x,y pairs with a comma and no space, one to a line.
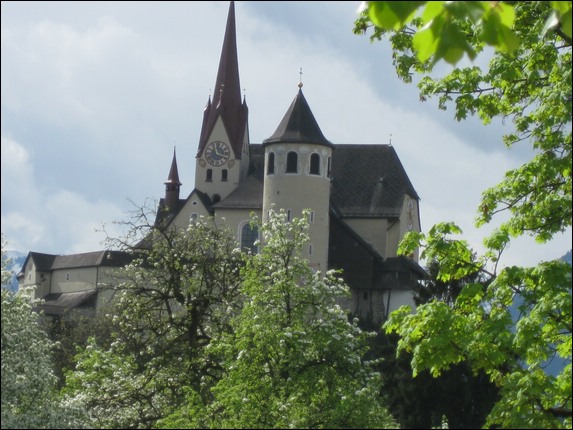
95,96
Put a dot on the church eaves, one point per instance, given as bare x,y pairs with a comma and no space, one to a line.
298,125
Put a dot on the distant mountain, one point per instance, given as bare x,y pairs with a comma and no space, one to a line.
17,259
567,257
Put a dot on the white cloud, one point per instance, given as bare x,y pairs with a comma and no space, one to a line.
36,218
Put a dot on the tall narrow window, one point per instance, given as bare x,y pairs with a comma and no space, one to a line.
224,175
292,161
249,235
271,163
315,164
209,177
310,249
328,168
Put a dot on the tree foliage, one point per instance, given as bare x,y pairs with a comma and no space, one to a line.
512,322
29,395
174,298
293,359
458,396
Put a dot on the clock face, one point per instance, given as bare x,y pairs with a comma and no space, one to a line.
217,153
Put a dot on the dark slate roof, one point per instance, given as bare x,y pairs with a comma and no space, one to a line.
60,303
248,195
43,262
356,188
90,259
403,264
368,181
298,125
335,218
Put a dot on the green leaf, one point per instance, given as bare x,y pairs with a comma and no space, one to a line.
563,9
391,15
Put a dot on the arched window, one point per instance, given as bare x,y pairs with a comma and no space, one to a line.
216,198
209,175
193,218
271,163
315,164
292,162
224,175
249,235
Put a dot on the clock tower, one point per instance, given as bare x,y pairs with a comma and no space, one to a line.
222,160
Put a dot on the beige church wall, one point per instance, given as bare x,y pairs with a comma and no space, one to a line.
373,231
193,205
217,186
394,235
399,298
40,281
72,280
299,191
108,278
235,219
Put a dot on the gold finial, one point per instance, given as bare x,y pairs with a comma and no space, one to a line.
300,78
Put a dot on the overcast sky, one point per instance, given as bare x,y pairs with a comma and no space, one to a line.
95,96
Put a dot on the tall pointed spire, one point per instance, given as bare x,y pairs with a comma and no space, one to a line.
227,103
172,185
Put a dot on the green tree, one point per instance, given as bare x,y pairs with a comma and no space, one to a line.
457,395
294,360
29,395
529,82
175,298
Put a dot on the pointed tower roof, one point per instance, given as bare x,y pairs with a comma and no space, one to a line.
227,102
298,125
173,177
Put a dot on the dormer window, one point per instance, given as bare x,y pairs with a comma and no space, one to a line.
271,163
292,162
315,164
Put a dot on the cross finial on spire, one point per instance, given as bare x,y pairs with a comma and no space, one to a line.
300,78
390,139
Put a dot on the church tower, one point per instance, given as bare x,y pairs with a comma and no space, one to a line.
297,175
222,160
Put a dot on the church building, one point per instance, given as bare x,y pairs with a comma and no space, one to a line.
359,197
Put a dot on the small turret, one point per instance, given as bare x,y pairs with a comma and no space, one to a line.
172,185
